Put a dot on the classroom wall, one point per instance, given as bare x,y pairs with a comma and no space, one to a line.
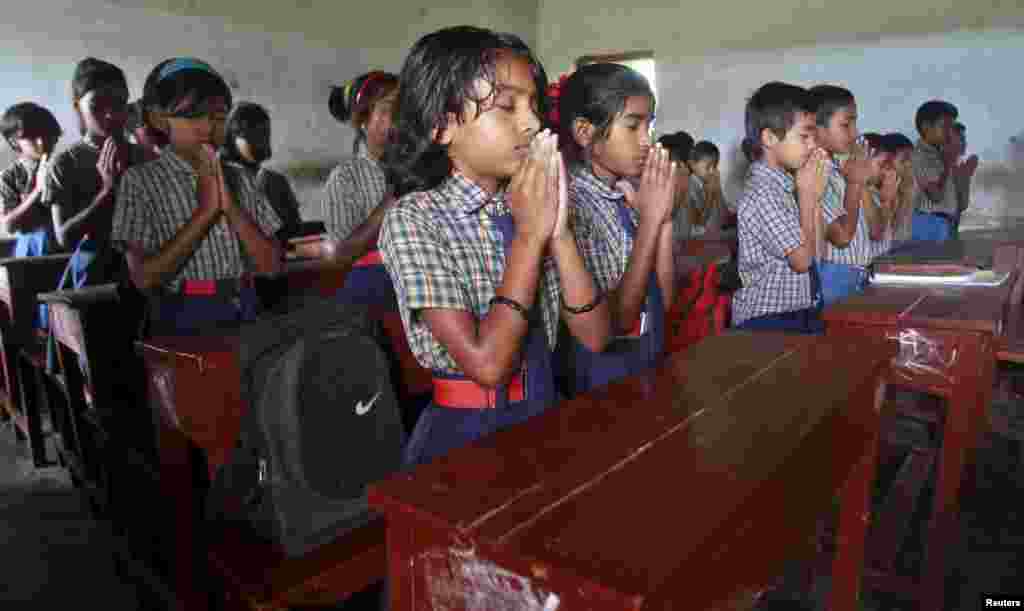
893,55
288,64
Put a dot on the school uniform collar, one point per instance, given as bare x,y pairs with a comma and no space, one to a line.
929,148
472,197
762,171
176,163
590,181
30,165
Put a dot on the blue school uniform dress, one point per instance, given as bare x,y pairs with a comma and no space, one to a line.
933,220
843,271
155,200
773,296
445,248
605,229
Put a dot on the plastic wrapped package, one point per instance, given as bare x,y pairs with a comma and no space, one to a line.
924,353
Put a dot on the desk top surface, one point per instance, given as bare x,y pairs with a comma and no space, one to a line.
625,485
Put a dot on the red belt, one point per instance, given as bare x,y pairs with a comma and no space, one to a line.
466,394
212,288
370,258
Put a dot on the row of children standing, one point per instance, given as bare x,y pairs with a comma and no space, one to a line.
819,205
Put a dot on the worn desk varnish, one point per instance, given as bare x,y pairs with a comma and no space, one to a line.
947,341
685,488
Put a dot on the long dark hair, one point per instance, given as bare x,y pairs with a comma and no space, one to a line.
353,102
437,80
596,93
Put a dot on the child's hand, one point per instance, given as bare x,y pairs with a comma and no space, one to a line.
890,186
811,177
657,187
969,166
861,167
39,180
562,220
106,165
533,192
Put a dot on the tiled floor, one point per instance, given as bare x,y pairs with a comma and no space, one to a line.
54,557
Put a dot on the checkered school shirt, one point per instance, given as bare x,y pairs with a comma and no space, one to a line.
604,244
859,251
158,198
928,165
352,192
442,250
73,180
769,228
17,181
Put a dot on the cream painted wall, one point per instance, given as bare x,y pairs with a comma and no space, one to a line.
385,29
706,69
676,29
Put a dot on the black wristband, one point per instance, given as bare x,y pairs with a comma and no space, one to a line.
512,303
583,309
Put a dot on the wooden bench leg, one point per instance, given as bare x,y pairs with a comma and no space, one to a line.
32,401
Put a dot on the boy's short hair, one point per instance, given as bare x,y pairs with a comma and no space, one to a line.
242,120
873,140
932,112
895,142
704,149
92,74
828,100
679,145
774,107
29,119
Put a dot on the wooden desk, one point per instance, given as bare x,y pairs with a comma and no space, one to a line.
946,341
686,488
21,280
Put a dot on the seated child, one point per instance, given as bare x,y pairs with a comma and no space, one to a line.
842,266
32,132
778,215
935,161
357,194
247,146
192,227
624,232
479,247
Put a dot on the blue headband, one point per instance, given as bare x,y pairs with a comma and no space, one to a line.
184,63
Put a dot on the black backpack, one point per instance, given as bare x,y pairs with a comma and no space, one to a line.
322,423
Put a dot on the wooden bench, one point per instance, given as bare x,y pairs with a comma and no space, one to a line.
21,280
105,432
687,488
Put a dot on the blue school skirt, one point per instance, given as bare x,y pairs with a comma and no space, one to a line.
34,244
450,421
192,313
930,226
839,281
578,369
368,283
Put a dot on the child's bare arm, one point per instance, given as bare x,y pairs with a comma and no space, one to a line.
655,201
12,220
488,350
578,290
665,266
265,251
365,235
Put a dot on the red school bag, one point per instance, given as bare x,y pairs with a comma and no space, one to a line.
701,309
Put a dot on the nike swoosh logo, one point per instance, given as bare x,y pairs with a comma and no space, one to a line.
361,409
